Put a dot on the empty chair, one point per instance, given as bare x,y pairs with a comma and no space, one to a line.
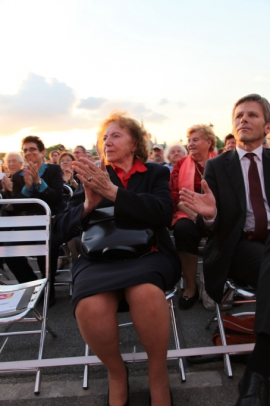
25,236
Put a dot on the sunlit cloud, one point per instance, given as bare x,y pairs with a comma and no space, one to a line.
163,101
137,110
155,117
181,105
91,103
43,105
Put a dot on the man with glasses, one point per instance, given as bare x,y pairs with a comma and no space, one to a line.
41,181
79,151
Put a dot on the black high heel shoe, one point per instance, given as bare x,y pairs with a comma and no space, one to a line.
127,402
150,403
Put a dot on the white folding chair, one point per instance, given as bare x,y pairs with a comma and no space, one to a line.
25,236
63,276
245,295
169,297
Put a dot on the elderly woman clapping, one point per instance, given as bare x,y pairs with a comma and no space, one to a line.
138,192
188,173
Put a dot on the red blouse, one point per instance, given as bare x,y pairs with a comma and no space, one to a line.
174,181
138,166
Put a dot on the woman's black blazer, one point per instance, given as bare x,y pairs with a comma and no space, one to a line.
146,199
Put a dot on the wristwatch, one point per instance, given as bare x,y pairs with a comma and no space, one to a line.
38,183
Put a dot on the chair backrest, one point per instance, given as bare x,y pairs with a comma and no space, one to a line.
68,190
25,235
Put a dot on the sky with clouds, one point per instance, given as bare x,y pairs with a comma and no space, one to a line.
67,64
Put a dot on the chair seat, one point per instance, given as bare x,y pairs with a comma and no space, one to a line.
17,300
243,291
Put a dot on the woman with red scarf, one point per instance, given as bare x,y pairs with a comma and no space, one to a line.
188,173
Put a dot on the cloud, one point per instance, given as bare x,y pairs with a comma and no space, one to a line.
163,101
137,110
155,117
181,104
42,105
91,103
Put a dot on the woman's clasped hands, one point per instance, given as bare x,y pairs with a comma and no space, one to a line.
96,183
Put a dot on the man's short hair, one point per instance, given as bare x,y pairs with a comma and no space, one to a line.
258,99
35,139
53,152
228,137
82,148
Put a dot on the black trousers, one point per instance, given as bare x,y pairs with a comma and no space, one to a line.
187,236
262,319
246,261
23,272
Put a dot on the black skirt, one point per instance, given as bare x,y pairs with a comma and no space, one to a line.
90,278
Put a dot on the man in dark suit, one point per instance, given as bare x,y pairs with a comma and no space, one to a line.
40,181
235,209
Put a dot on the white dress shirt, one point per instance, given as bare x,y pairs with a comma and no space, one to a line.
245,162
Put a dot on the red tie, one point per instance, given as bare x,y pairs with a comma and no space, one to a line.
256,197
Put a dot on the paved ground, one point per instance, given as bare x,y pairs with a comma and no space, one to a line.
206,383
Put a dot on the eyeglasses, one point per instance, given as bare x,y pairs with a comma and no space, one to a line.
31,149
65,160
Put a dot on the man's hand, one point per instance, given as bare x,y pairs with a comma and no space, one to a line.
204,204
34,172
28,178
31,175
7,184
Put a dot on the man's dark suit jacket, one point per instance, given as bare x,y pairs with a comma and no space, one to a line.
146,199
224,177
52,195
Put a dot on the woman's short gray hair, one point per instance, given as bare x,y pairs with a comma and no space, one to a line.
169,148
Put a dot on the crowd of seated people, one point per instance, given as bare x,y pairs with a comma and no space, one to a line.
225,198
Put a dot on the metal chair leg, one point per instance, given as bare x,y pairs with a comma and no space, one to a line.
227,362
176,340
86,369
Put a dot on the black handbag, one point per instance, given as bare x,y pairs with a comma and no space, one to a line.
105,237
